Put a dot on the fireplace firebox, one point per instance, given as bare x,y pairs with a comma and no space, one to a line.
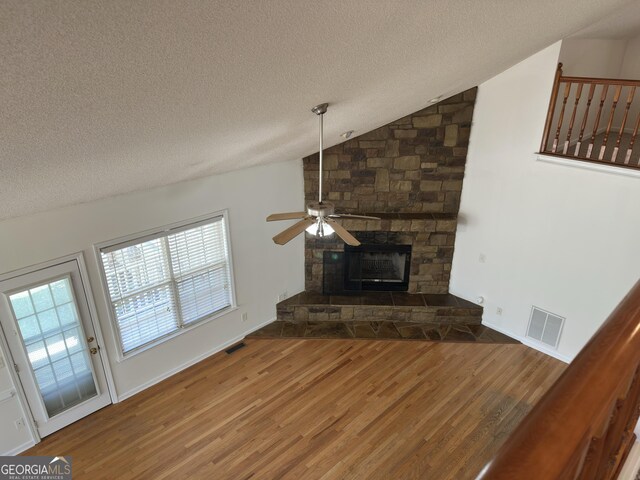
369,267
377,267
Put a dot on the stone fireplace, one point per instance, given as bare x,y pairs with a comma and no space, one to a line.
409,173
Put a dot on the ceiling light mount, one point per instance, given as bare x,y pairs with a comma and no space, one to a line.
320,109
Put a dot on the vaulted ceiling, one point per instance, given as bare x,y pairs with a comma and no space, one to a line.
102,98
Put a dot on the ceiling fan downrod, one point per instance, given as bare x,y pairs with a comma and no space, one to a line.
320,110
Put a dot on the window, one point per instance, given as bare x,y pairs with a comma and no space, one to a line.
167,281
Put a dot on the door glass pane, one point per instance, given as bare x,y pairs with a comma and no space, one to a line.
50,327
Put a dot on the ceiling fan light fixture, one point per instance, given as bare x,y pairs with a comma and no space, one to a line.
320,229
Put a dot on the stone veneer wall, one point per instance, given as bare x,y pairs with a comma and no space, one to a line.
410,173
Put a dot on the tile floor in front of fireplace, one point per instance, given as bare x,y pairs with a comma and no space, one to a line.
383,330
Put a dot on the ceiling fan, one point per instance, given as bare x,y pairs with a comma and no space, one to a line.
319,219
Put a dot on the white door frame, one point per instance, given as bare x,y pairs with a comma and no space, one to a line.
17,387
93,314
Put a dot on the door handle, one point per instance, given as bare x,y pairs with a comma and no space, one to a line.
90,339
93,351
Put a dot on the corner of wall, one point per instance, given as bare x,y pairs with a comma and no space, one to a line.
531,233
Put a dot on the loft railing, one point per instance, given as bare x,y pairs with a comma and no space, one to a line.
593,120
582,428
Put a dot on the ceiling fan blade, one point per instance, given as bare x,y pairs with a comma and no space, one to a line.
348,215
295,229
286,216
342,233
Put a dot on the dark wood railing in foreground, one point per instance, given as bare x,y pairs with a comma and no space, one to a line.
582,428
594,120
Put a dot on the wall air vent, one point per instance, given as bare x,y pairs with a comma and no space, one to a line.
545,327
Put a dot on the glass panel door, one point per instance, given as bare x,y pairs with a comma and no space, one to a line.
53,337
47,323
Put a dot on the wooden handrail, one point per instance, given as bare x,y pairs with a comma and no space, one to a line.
600,81
583,426
608,136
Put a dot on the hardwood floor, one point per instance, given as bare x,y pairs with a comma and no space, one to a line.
311,409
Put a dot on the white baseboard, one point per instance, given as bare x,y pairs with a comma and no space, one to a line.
632,464
529,343
599,167
19,449
193,361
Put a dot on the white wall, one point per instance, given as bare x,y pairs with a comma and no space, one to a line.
631,62
262,269
592,57
631,70
562,238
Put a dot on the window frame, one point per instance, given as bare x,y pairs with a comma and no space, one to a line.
163,232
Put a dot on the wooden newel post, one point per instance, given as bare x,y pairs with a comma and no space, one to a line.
552,108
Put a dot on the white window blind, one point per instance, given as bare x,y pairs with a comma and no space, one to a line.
163,282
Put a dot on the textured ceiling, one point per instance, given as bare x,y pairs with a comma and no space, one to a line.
100,98
624,23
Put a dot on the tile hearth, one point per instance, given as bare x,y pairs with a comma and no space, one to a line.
441,309
390,315
383,330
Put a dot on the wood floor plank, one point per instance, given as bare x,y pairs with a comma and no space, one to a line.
310,408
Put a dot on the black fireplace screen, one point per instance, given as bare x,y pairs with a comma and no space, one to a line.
367,267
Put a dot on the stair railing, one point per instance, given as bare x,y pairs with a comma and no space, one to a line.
593,120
